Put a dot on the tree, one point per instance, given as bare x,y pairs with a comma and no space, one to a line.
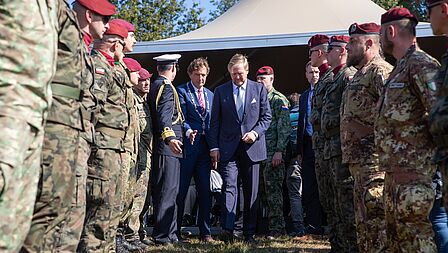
417,7
159,19
221,6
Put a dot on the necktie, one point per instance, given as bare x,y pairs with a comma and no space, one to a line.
239,103
201,101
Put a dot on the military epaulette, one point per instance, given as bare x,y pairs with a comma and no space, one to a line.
167,132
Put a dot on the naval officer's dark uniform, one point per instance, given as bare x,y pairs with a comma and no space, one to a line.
167,122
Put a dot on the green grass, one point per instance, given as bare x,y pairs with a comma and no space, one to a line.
314,244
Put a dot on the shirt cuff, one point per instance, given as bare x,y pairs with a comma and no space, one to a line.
214,149
188,132
255,133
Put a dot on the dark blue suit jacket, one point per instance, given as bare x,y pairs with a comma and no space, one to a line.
303,120
192,120
226,129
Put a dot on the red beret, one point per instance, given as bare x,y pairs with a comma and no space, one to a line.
115,29
144,74
397,13
339,39
132,64
364,29
317,40
265,70
431,3
130,27
102,7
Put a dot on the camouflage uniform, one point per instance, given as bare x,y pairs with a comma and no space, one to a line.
28,43
277,137
143,165
406,149
131,140
105,162
61,139
358,114
438,119
341,182
322,167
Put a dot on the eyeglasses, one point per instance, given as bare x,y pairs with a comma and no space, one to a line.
428,9
121,43
332,47
311,51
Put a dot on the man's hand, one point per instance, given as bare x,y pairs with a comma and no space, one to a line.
298,158
277,159
192,136
175,146
249,137
215,158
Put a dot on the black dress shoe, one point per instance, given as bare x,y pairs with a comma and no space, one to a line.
226,236
250,240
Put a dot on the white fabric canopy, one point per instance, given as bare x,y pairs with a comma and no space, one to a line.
268,23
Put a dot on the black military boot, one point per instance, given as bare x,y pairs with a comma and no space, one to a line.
123,246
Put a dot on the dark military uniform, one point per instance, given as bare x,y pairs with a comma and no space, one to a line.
406,149
28,44
105,162
277,137
339,181
358,116
167,121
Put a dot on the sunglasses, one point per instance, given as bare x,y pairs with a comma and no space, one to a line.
428,9
105,19
311,51
332,47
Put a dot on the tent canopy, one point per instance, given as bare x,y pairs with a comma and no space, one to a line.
269,23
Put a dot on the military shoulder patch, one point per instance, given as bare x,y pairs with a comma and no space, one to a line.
396,85
432,86
100,71
285,107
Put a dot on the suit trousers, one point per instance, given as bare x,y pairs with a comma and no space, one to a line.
197,164
240,165
165,188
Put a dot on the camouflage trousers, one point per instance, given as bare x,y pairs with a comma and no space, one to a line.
135,220
369,207
56,185
408,200
103,201
128,183
20,155
327,195
271,190
344,184
71,231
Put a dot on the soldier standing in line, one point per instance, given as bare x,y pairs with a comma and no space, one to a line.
405,143
140,205
315,185
167,120
62,135
27,63
105,162
93,25
342,181
273,169
358,115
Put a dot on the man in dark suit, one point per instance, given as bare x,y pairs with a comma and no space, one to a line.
196,104
240,117
167,120
305,157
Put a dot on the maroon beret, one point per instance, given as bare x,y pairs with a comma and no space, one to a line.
144,74
102,7
431,3
397,13
364,29
317,40
265,70
130,27
132,64
115,29
339,39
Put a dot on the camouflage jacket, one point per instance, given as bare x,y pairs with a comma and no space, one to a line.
112,120
401,129
359,111
66,83
316,109
438,116
145,124
330,119
133,132
277,135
